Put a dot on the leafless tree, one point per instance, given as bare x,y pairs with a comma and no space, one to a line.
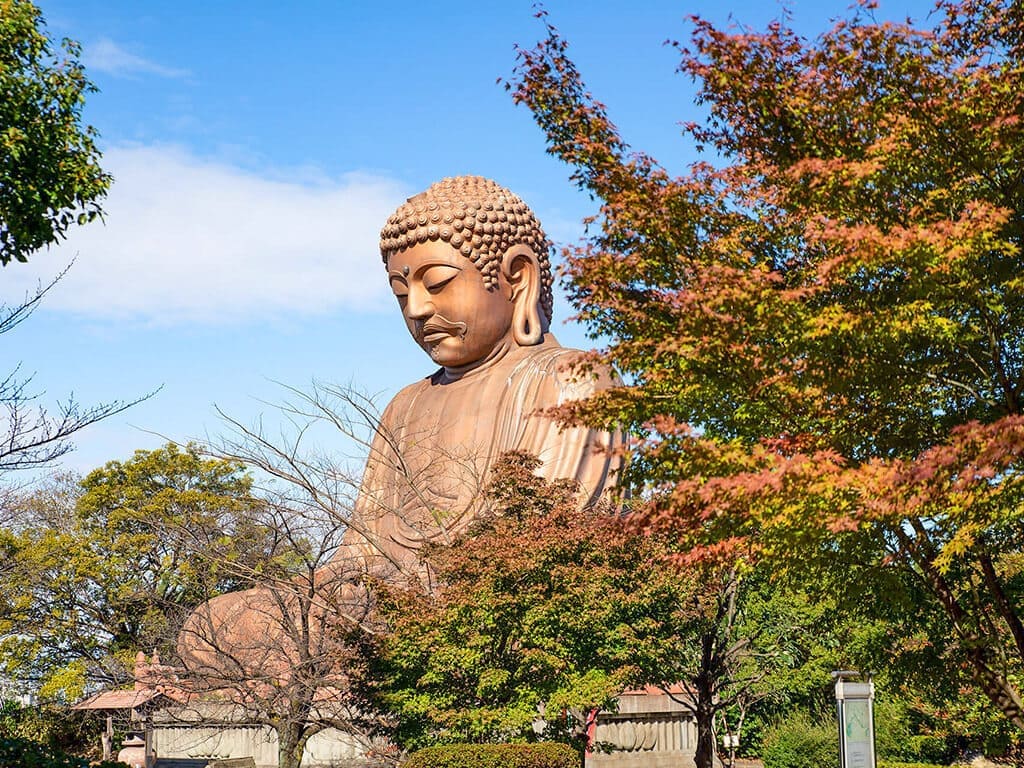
33,436
281,654
284,655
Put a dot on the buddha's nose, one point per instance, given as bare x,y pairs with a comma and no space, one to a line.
418,305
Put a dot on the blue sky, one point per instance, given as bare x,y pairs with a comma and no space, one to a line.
257,148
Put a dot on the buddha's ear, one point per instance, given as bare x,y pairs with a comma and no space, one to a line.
522,271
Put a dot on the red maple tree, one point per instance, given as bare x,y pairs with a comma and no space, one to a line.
821,324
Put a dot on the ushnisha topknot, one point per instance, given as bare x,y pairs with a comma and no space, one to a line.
479,218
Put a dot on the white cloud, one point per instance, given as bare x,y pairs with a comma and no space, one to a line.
107,56
188,239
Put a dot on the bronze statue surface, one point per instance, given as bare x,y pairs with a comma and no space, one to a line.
469,266
468,263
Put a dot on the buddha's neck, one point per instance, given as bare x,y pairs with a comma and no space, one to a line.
507,348
457,372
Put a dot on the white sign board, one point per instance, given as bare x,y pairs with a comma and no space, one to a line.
856,724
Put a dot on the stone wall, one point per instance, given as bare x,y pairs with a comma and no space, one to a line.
648,731
179,741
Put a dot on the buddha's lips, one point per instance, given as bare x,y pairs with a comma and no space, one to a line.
437,327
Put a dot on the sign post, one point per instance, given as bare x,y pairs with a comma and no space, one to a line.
855,711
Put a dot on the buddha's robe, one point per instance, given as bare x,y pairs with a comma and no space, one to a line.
439,439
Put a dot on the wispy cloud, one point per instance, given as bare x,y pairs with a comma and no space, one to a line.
105,55
193,240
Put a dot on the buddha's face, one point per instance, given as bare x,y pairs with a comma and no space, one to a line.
447,307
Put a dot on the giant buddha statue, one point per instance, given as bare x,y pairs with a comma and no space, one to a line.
468,263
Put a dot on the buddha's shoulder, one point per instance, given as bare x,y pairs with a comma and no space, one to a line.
408,394
574,372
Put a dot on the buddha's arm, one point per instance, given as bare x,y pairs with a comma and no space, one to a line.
369,543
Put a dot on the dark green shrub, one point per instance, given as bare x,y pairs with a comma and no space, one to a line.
57,728
895,764
22,753
544,755
931,749
800,742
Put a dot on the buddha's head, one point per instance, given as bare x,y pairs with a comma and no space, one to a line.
469,264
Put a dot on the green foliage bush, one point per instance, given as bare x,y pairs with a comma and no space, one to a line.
898,736
929,749
544,755
30,754
800,742
55,728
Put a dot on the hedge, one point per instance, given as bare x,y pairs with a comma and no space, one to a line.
543,755
22,753
896,764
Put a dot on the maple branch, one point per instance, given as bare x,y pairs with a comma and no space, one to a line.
933,578
1003,604
996,351
961,385
978,366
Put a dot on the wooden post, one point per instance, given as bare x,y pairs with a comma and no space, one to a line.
107,738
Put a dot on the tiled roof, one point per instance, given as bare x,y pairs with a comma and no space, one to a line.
129,699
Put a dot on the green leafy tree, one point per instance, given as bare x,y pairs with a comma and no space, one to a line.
100,569
541,606
779,647
50,181
821,323
50,178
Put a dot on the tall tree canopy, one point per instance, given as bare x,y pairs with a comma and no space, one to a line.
97,570
822,323
50,178
541,604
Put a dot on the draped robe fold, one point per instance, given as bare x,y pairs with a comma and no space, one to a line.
438,440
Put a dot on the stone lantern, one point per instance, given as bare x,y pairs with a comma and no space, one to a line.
133,752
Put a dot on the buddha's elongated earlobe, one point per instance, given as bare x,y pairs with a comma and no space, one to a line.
523,273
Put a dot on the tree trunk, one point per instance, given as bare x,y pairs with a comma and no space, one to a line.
705,709
705,754
291,743
977,648
996,686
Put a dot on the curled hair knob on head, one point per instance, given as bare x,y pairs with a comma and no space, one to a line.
484,220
